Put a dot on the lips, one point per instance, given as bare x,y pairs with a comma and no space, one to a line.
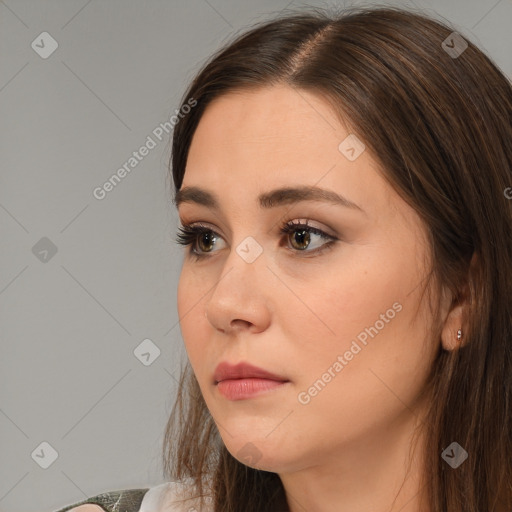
226,371
245,381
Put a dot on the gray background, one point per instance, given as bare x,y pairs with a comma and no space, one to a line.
70,321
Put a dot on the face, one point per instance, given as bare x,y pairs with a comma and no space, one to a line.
333,310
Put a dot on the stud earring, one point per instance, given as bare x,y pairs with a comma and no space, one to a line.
459,334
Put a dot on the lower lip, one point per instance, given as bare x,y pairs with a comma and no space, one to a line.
240,389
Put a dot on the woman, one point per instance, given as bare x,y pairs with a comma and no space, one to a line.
343,185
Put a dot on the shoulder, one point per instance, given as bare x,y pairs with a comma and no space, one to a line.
168,497
174,497
128,500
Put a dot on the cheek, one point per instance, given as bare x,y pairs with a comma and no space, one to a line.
343,303
368,312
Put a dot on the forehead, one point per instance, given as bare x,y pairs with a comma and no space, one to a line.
266,134
271,115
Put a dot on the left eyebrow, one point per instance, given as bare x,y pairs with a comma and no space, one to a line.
271,199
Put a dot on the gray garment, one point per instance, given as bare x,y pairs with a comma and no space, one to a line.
127,500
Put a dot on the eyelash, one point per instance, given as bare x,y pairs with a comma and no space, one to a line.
188,234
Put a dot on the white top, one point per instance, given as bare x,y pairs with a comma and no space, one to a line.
167,498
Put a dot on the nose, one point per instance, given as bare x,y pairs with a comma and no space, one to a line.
241,297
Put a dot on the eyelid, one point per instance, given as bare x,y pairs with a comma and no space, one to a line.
298,222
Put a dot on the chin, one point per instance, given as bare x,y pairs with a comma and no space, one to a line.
263,454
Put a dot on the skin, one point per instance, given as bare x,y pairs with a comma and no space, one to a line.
293,314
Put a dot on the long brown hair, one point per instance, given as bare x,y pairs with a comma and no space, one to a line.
441,126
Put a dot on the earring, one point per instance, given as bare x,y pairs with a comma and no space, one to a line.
459,334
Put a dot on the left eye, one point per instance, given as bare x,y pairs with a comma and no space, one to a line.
302,235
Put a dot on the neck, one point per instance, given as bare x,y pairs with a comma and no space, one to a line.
378,473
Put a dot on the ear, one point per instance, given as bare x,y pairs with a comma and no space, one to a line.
451,337
454,333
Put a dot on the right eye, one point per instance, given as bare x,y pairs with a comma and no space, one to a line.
194,236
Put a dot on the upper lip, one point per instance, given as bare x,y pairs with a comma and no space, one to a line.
226,371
